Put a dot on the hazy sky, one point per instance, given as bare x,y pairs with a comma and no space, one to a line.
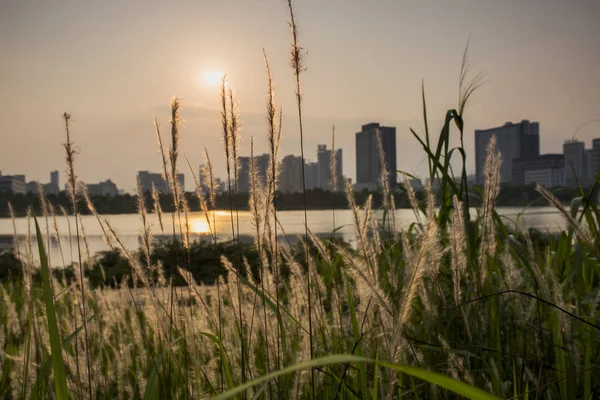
115,64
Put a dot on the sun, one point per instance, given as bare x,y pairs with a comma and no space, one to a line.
213,77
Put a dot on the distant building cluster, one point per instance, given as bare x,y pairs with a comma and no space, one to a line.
522,163
317,175
18,184
147,180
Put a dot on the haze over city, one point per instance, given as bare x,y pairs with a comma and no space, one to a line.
115,65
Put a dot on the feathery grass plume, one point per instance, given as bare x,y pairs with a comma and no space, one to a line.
273,138
364,229
457,248
161,150
86,244
491,189
255,198
201,198
174,148
157,208
383,176
571,222
429,250
333,163
139,273
467,87
225,122
367,284
412,197
207,180
393,212
234,138
146,232
56,231
70,154
73,189
28,246
186,223
90,205
320,247
225,125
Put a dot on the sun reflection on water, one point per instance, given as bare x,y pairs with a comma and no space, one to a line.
199,226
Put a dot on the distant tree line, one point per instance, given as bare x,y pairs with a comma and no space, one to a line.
315,199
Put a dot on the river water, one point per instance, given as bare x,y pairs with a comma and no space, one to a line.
127,227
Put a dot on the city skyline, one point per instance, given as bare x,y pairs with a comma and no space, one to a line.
99,62
519,144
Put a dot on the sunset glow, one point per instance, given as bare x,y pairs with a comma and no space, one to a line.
213,77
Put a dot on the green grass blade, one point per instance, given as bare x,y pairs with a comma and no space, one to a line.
28,345
440,380
48,366
152,389
226,366
58,365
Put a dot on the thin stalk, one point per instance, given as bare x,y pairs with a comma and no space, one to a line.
297,58
72,185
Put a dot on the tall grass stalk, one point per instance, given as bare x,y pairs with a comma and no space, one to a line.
73,190
297,64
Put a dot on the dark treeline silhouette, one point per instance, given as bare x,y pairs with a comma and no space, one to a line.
111,268
517,196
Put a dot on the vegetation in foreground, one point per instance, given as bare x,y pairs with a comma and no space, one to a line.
450,308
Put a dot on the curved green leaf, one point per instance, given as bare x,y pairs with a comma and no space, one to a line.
58,364
440,380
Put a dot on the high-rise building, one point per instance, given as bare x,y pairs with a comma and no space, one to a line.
52,187
595,157
54,178
520,140
147,179
311,175
574,154
588,167
290,178
324,168
368,163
